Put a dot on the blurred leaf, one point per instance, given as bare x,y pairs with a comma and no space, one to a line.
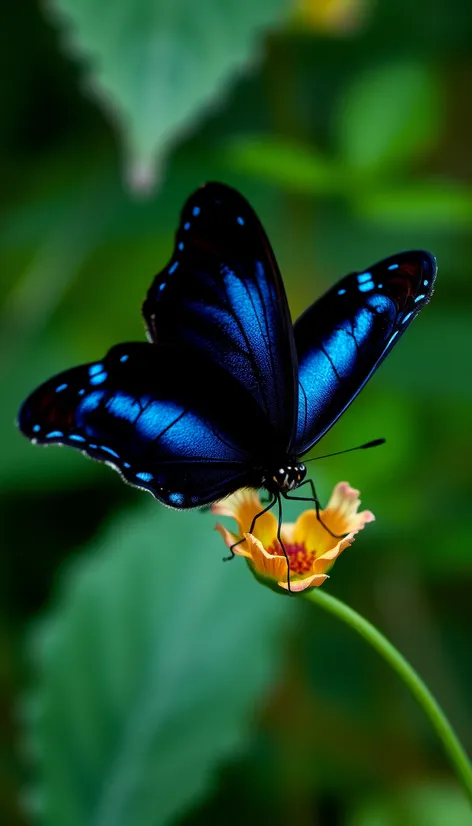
155,66
427,806
149,672
285,164
424,204
37,293
380,411
439,346
390,116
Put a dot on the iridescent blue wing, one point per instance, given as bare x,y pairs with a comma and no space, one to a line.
222,294
343,337
168,423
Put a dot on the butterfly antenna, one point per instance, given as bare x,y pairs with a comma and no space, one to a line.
373,443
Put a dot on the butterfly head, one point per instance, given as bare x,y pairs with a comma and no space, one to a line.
285,477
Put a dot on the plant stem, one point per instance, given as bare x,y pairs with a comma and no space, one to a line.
457,756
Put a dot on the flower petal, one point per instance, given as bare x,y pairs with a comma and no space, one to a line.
243,506
297,585
341,510
274,567
324,562
236,503
287,532
265,564
309,531
230,539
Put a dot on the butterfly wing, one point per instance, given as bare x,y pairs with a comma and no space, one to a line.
167,423
343,337
222,294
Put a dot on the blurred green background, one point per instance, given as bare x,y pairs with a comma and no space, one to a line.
142,681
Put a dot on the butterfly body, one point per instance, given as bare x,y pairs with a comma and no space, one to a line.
228,393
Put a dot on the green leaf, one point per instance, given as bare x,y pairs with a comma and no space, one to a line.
155,66
149,672
424,204
287,164
389,117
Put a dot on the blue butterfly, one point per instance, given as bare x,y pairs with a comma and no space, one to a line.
228,393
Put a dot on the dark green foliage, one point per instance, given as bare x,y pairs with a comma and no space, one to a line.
257,710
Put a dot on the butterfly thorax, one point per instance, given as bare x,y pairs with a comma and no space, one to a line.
285,477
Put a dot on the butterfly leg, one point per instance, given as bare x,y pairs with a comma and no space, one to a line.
313,498
280,541
267,508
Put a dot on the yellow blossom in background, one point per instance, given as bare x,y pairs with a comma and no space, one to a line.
330,16
311,549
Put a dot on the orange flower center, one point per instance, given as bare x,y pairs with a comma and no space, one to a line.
300,558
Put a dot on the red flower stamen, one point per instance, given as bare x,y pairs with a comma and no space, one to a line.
301,559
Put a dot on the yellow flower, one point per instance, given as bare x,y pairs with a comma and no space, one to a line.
310,548
331,16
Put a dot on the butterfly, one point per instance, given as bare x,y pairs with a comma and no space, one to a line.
227,393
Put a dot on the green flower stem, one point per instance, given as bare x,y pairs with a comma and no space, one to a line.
457,756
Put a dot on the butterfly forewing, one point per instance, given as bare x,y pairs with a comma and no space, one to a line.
222,295
168,422
343,337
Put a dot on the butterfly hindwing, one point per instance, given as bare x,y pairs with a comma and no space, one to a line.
343,337
169,423
222,295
